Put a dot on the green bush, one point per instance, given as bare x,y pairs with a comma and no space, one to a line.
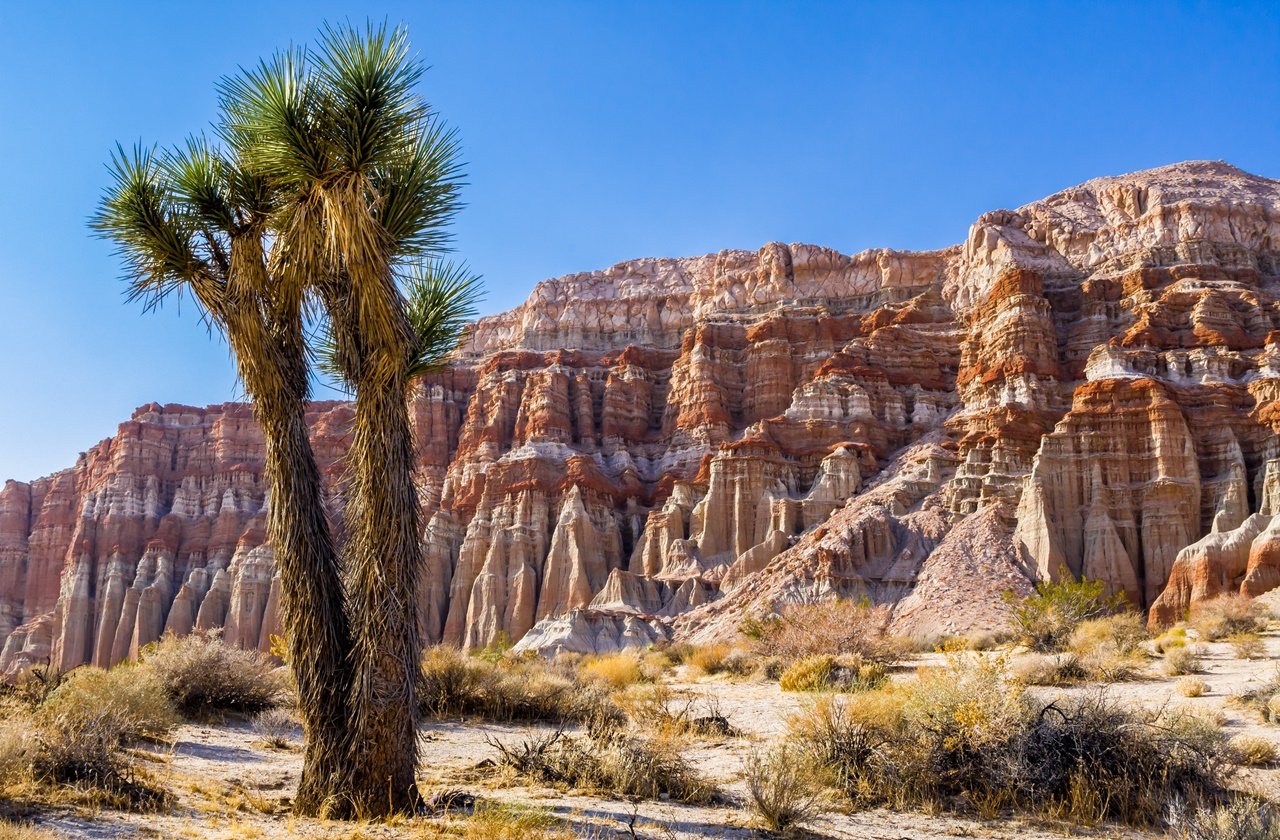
1046,619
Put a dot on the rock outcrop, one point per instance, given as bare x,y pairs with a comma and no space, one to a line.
1086,385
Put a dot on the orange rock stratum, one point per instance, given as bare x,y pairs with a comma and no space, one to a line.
659,449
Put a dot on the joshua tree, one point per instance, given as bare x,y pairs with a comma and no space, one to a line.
336,183
368,181
199,221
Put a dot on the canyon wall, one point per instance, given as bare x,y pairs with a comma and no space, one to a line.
1086,385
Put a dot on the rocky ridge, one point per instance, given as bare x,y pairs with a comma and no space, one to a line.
1087,384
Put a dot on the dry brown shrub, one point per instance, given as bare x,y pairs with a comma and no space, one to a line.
130,700
1247,645
1226,614
833,627
783,792
1253,751
609,760
1191,686
508,688
203,676
1181,661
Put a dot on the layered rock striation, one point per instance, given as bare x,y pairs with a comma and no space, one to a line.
1086,385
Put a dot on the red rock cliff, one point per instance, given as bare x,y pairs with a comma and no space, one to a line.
1088,383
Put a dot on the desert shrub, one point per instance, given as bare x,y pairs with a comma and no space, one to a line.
836,743
709,659
131,701
1110,649
452,683
661,711
781,788
968,735
1046,619
1048,669
1191,686
1174,637
608,760
84,751
616,670
276,728
740,663
31,687
770,668
1247,645
1180,661
1252,751
1259,698
17,746
833,627
1226,614
1241,818
829,673
203,676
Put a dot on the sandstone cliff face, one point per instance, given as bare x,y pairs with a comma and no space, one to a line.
1087,385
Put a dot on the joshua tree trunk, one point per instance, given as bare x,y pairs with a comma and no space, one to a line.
382,557
311,600
272,363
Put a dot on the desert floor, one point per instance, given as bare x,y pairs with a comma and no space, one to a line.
230,785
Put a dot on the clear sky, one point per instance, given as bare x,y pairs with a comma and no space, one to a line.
602,131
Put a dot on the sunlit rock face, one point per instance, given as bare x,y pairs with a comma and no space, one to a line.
1086,385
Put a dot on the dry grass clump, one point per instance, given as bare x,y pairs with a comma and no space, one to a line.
615,670
1107,649
1252,751
277,728
608,759
1263,698
966,737
1180,661
824,672
781,787
660,710
203,676
1191,686
1112,648
833,627
1225,615
1241,818
1048,669
1247,645
713,658
507,688
493,821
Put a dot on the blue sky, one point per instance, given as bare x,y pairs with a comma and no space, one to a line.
602,131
